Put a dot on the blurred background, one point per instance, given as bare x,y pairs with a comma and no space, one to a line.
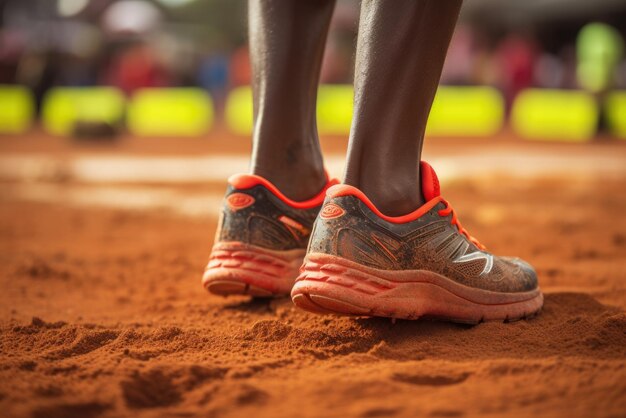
120,121
537,69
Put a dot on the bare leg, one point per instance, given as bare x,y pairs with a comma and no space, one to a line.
401,48
287,40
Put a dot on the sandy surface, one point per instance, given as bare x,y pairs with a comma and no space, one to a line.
102,315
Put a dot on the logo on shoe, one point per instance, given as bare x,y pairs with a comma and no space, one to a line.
330,210
237,201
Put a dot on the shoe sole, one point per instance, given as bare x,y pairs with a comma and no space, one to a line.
331,284
236,268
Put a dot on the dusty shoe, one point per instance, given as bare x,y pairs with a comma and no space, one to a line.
362,262
260,240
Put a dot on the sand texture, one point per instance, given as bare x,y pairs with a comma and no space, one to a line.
102,315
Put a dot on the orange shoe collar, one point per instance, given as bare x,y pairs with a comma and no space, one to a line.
430,190
247,181
346,190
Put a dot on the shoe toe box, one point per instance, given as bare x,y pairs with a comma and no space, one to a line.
524,274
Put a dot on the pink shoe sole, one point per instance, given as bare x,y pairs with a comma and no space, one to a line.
236,268
331,284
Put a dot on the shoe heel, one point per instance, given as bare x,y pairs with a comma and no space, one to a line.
334,288
236,268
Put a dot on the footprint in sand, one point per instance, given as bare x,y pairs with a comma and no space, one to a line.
151,389
83,410
239,395
379,412
85,342
430,379
166,386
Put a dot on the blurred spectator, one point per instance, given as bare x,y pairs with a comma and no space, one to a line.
459,64
599,48
213,76
567,56
136,67
338,63
11,48
336,66
516,56
240,72
549,71
132,44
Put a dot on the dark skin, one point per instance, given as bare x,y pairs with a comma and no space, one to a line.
401,48
286,48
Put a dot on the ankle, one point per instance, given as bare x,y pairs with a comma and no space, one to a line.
395,202
393,196
298,183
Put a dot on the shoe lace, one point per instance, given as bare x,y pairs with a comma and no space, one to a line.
455,221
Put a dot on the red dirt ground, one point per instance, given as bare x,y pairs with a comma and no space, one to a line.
102,315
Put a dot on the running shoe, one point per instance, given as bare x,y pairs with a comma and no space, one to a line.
261,239
424,264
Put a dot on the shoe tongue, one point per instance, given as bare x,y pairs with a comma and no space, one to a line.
430,182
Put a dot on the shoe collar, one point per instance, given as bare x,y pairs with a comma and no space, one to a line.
431,192
248,181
